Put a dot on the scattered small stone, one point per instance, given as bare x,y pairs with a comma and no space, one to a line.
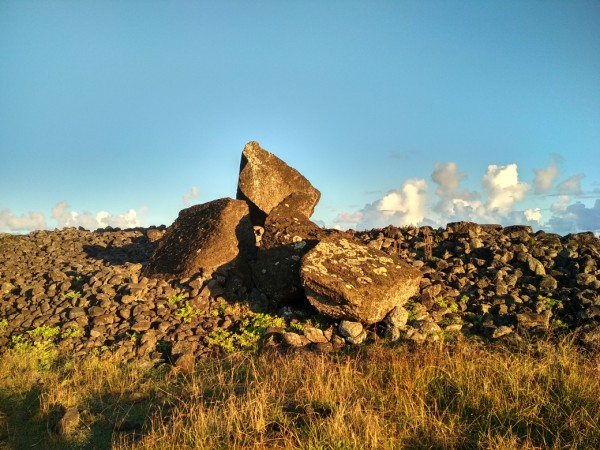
314,335
68,422
350,329
397,317
294,339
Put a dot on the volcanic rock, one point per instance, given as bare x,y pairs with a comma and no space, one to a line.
288,235
203,238
348,280
288,223
265,181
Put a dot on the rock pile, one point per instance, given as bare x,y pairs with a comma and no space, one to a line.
342,279
162,293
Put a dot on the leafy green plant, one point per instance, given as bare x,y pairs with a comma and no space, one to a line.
550,302
39,343
71,332
72,295
45,332
298,326
222,338
186,312
175,299
410,308
97,351
224,308
560,324
3,324
247,337
438,236
441,301
19,342
134,336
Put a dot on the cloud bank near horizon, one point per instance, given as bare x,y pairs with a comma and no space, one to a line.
497,202
557,205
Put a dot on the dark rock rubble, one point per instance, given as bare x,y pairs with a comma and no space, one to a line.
258,264
484,281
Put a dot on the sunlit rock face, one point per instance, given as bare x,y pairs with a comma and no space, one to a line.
348,280
265,181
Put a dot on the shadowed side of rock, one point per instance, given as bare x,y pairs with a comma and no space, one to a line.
288,235
202,239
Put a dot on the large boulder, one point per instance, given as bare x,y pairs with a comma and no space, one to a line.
265,181
288,223
347,280
202,239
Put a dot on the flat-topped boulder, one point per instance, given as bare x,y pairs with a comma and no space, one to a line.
202,239
265,181
347,280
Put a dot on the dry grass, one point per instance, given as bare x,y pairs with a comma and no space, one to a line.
539,395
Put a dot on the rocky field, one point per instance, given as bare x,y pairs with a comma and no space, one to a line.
84,291
240,274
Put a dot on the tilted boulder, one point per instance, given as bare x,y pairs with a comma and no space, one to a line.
347,280
204,238
288,223
265,181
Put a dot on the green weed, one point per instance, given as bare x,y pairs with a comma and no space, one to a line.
72,295
549,302
175,299
186,312
71,332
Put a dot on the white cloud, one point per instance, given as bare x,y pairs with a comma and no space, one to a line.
406,206
190,195
533,214
33,220
410,206
544,178
503,188
89,221
571,186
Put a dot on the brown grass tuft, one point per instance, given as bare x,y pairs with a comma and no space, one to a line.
539,395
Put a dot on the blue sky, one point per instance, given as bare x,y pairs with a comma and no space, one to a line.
403,112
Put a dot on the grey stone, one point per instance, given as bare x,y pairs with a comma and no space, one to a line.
357,340
350,329
68,422
294,339
397,317
392,333
500,331
535,265
314,335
